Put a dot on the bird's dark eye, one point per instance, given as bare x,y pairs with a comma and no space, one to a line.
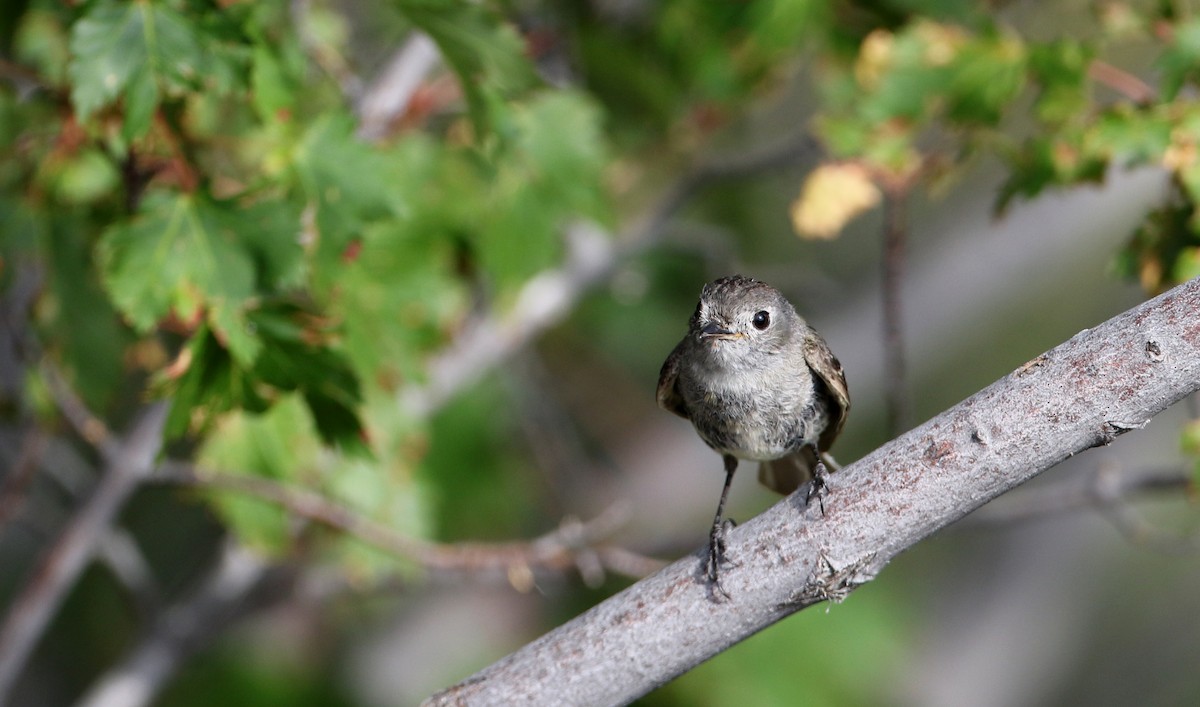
762,320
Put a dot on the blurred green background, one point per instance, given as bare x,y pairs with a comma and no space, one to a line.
415,265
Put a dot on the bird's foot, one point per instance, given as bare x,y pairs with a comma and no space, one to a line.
717,557
818,487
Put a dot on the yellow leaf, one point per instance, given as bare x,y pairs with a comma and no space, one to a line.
831,196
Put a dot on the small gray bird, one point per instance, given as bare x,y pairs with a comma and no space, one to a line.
758,383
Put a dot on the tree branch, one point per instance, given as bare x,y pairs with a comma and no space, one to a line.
180,631
1101,489
128,463
895,237
574,544
1084,393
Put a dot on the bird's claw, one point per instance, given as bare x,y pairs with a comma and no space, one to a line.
818,487
717,557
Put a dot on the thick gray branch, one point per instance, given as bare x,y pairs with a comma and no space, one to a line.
1086,392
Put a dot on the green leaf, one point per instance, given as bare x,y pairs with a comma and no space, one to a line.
189,256
1130,135
141,99
1180,62
295,358
295,355
136,50
271,89
178,257
350,184
278,444
988,75
487,55
548,174
86,177
87,334
1060,68
398,299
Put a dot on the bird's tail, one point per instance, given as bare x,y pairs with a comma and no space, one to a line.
786,474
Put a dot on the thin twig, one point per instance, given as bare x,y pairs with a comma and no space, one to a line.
558,550
389,95
1107,491
1122,82
895,235
130,460
180,631
1101,489
20,471
119,552
87,425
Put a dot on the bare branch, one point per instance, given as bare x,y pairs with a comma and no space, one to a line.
1122,82
20,471
91,428
119,552
131,460
389,95
1084,393
180,631
895,235
573,545
1102,488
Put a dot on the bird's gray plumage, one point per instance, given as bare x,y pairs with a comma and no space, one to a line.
774,394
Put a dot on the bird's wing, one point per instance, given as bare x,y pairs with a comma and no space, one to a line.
829,371
668,395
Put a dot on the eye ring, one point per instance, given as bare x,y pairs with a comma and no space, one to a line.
762,320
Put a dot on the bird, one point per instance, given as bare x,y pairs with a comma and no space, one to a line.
758,384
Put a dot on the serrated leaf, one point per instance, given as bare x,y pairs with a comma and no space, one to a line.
133,50
176,257
294,356
107,45
988,74
204,383
348,182
1131,135
188,256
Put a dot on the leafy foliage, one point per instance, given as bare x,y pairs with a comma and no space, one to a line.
231,236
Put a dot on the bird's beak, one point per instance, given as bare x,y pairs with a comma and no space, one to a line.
712,330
